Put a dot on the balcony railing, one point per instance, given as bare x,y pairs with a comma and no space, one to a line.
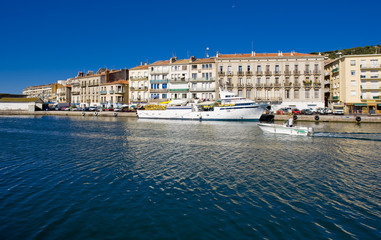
158,90
221,73
259,73
277,73
287,72
296,72
179,90
249,73
159,81
240,73
317,72
111,91
268,73
102,92
307,72
335,70
202,89
202,79
374,66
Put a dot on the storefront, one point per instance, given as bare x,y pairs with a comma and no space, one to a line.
364,108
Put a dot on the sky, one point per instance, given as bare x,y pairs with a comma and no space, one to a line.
42,42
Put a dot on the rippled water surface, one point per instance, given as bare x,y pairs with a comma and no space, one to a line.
117,178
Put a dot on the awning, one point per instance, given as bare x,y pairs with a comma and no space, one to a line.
360,104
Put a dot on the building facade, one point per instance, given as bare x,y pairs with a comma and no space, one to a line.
48,93
285,79
114,94
354,83
139,84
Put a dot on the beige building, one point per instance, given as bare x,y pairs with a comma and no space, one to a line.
354,83
114,94
91,84
281,79
139,84
48,93
202,84
158,78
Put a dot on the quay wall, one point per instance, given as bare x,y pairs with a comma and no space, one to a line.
301,118
332,118
70,113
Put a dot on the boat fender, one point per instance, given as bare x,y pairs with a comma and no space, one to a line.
358,119
317,118
295,117
96,114
115,114
83,114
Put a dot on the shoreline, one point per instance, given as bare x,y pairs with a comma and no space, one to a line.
301,118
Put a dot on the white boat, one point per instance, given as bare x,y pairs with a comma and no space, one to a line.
230,108
284,129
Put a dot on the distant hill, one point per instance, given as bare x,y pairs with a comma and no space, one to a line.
352,51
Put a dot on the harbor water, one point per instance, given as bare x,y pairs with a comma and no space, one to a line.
125,178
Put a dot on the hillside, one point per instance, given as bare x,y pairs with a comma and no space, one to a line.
352,51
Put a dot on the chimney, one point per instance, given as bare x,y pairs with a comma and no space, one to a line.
217,54
107,75
141,63
173,59
292,53
192,59
252,53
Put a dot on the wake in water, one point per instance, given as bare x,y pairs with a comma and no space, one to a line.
354,135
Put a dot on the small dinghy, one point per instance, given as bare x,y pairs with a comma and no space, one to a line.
284,129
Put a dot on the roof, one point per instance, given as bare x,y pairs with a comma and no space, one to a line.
20,100
117,82
204,60
159,63
140,67
249,55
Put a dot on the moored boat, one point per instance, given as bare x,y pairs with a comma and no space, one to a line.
230,108
284,129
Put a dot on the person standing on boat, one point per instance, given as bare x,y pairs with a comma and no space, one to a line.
290,121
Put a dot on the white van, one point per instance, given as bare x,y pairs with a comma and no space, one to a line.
338,109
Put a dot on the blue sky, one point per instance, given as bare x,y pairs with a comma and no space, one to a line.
45,41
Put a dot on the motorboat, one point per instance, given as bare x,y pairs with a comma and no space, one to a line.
284,129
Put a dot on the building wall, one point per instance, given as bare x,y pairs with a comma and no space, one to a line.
280,79
139,86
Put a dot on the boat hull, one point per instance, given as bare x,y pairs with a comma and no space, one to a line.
282,129
252,113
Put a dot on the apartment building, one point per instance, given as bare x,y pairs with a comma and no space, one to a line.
48,92
354,83
203,79
114,94
91,84
285,79
64,92
139,84
158,78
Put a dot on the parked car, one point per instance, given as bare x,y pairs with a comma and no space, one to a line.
296,111
109,109
307,111
322,111
283,111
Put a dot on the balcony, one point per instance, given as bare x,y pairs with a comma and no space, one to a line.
240,73
102,92
335,70
259,73
335,98
229,74
202,79
240,86
138,78
249,85
287,73
370,67
179,90
159,81
296,72
249,73
199,89
268,73
307,72
277,73
221,73
277,85
111,91
181,80
157,72
158,90
317,72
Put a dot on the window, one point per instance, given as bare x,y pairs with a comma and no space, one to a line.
164,86
229,69
296,93
353,72
296,67
239,93
194,67
248,68
316,94
373,74
259,68
276,68
287,94
239,68
353,62
210,65
221,68
248,92
353,93
194,75
307,94
258,81
363,74
353,82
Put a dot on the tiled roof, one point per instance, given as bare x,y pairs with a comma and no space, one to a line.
116,82
141,67
204,60
248,55
159,63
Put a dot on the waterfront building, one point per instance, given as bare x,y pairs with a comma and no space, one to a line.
203,79
158,78
48,92
354,83
139,84
114,94
64,92
283,79
91,83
